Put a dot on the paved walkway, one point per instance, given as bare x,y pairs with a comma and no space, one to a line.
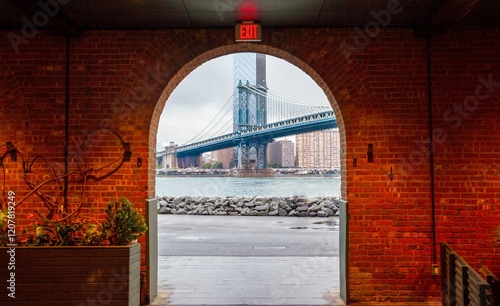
223,280
221,260
214,260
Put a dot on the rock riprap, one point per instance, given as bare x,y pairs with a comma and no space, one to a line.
256,206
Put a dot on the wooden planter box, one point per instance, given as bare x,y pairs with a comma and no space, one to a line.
71,275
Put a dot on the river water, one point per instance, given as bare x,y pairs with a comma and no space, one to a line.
248,187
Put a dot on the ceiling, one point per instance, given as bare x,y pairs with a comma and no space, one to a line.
73,16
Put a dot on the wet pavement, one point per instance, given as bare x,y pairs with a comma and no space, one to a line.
249,280
221,260
247,236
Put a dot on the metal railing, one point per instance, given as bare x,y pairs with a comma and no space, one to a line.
462,286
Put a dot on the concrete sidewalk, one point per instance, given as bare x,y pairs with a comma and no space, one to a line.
214,260
200,280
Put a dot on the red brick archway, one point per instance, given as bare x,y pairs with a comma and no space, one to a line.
234,48
337,80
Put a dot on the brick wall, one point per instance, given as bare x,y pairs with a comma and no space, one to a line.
120,81
466,79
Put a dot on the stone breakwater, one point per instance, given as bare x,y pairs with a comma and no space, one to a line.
256,206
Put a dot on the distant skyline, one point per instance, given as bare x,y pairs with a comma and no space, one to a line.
199,97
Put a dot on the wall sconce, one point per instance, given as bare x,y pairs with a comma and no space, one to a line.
127,154
391,176
139,162
354,161
369,153
12,151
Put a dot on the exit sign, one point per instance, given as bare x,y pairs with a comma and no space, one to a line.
248,32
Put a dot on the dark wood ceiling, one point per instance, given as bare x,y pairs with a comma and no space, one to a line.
79,15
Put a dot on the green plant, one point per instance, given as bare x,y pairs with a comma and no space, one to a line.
123,223
68,232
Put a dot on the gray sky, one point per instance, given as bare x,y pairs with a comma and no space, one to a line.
200,96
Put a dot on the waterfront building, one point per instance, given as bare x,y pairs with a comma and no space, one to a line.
224,156
282,153
170,160
207,157
318,149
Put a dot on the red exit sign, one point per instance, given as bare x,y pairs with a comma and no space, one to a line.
248,32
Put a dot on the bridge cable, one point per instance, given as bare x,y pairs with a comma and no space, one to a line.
204,136
196,136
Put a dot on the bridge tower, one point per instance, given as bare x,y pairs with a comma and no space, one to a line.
251,113
250,108
169,159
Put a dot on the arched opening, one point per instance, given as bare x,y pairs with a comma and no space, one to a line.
220,51
193,64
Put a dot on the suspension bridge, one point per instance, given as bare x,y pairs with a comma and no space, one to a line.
259,116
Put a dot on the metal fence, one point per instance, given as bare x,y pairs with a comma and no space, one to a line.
462,286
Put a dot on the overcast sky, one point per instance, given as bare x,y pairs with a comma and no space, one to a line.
201,95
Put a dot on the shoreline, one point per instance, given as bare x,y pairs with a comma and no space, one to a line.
295,206
268,172
225,174
221,175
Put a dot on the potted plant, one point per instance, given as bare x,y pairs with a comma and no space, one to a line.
77,261
64,258
123,224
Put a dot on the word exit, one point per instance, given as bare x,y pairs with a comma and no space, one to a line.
248,31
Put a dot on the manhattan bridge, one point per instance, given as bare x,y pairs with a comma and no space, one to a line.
251,118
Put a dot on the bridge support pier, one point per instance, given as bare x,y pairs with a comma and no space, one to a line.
251,160
189,161
261,155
